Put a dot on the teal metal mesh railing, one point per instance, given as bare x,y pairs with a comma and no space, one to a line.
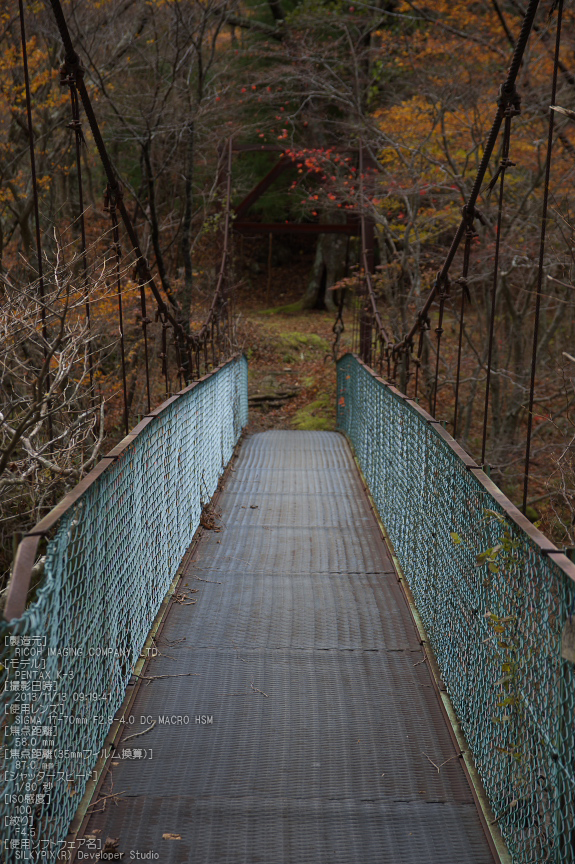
494,605
67,660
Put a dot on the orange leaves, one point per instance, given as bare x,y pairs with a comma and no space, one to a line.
332,176
47,99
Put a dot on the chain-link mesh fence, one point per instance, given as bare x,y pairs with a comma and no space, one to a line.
493,603
113,554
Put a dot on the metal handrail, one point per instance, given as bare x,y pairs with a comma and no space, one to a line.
27,550
546,547
496,599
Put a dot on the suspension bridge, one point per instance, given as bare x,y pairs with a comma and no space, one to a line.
290,647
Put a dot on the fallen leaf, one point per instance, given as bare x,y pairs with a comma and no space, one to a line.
111,844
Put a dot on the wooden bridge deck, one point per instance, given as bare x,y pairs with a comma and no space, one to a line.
311,725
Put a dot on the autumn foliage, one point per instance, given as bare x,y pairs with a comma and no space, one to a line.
416,84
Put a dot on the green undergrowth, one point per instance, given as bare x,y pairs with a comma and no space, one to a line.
290,309
305,340
316,415
295,347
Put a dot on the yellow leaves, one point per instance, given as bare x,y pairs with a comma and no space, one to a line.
47,100
44,182
456,55
463,18
44,84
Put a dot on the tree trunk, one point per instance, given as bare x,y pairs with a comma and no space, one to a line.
185,248
154,224
328,268
310,298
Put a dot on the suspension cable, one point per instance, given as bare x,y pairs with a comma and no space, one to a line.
541,255
68,78
219,301
510,109
36,207
144,273
443,291
423,327
508,104
507,89
145,321
110,204
463,282
369,315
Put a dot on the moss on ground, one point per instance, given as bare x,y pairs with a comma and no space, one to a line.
290,353
319,414
305,340
295,347
290,309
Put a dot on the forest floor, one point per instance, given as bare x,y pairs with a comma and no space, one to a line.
292,379
292,376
